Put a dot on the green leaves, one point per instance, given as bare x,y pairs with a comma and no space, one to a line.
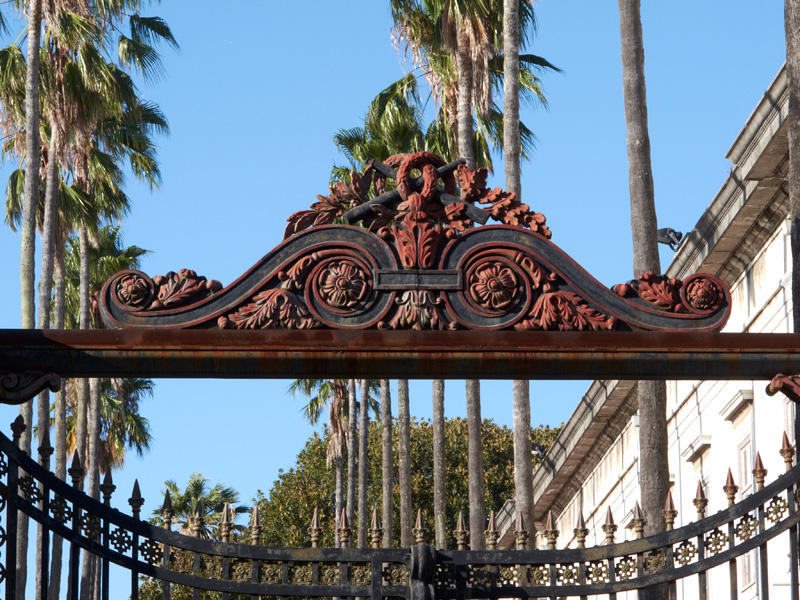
151,30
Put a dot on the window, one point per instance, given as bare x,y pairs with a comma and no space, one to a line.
745,564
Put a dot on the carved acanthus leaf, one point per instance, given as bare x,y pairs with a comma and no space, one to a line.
179,289
564,311
419,309
271,309
658,290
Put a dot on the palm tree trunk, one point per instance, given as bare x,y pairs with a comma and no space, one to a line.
93,481
465,149
404,461
28,248
352,444
60,421
654,474
363,464
83,393
523,467
386,464
511,141
792,27
338,496
477,508
439,467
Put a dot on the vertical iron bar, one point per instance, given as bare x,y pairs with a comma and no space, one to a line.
793,554
104,574
196,573
226,575
702,585
377,565
165,585
284,576
612,577
762,559
74,554
134,572
11,534
44,506
733,571
254,575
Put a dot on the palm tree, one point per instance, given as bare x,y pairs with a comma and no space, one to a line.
654,474
199,500
404,461
439,466
386,464
363,462
792,27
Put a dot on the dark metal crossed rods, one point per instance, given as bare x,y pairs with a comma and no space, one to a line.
387,198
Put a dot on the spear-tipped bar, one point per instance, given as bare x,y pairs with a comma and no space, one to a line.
669,512
76,471
491,534
787,451
461,532
136,499
759,472
255,526
609,527
638,522
521,533
18,427
107,488
226,524
700,501
419,529
345,531
315,530
581,531
375,531
550,531
730,488
167,512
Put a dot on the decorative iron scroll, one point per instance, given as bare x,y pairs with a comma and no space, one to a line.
417,261
16,388
419,573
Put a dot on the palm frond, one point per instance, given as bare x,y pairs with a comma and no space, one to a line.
141,56
14,192
151,30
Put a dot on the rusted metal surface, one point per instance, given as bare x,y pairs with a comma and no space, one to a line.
400,354
416,262
789,385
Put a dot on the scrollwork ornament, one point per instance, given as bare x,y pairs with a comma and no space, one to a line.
272,572
746,527
29,487
91,526
597,571
300,574
330,574
567,574
539,575
16,388
509,576
655,561
3,464
685,552
361,574
62,513
716,541
271,309
626,568
776,509
3,537
120,539
396,574
151,551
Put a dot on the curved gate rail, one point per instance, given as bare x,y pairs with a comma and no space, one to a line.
417,573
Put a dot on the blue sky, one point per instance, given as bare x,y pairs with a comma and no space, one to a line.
253,99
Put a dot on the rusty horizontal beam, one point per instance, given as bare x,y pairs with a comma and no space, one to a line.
399,354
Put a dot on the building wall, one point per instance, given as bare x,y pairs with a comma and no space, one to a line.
713,426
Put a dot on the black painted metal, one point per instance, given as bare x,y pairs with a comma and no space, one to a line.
419,573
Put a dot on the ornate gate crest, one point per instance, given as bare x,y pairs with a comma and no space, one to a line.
413,258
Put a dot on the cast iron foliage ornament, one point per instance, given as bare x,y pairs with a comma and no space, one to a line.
415,253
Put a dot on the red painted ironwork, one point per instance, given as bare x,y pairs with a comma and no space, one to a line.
417,261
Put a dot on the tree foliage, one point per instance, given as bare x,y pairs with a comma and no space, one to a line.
286,511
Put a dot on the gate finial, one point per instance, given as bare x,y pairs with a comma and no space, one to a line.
669,512
491,534
375,531
609,527
107,487
136,499
167,512
461,533
638,522
521,533
18,427
255,526
700,501
759,472
550,531
75,470
345,531
581,531
315,530
419,530
226,525
787,451
730,488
